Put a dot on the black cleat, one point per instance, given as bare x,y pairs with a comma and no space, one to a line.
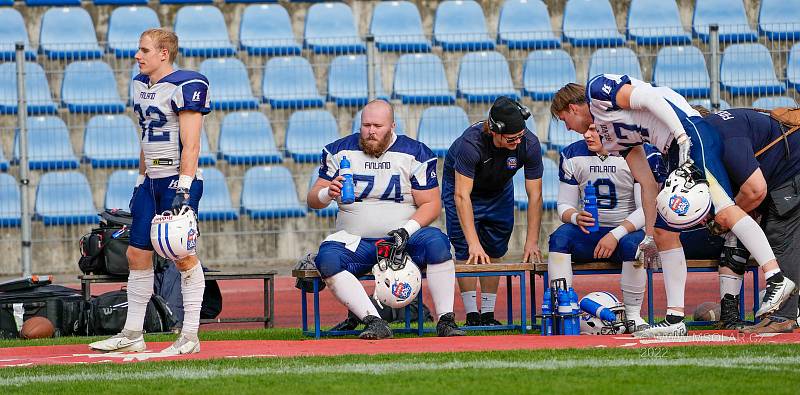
487,319
377,328
729,313
446,327
473,319
352,322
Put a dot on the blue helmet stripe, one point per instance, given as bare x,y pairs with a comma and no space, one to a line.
166,240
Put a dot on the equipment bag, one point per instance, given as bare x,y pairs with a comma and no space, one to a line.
107,314
61,305
103,250
789,118
167,284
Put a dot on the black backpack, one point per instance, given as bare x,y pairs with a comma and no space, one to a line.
103,250
61,305
107,313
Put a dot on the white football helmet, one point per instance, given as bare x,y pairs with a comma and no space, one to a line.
174,236
685,199
593,325
396,283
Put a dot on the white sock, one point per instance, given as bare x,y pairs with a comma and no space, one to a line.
441,283
349,291
140,288
633,283
771,273
487,302
470,299
675,313
559,265
730,284
193,284
673,264
753,238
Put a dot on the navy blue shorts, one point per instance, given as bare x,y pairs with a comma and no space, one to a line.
427,246
153,197
570,239
494,222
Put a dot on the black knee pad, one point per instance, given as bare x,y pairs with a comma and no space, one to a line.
734,258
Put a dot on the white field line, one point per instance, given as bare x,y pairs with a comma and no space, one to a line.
759,363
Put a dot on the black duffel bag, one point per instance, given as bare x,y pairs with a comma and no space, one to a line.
103,250
61,305
107,313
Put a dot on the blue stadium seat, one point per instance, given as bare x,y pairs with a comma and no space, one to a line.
268,192
793,67
615,61
723,105
397,26
333,207
728,14
230,85
421,79
289,82
126,25
37,90
525,24
34,3
558,136
747,69
6,2
591,23
399,124
64,198
12,30
186,2
119,189
520,195
68,33
545,72
265,29
331,29
207,157
216,202
656,22
549,184
111,141
10,211
89,86
121,2
484,76
49,146
308,132
251,1
202,32
439,126
460,25
347,80
3,161
768,103
246,138
684,70
779,19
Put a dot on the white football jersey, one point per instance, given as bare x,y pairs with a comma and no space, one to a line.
382,185
157,108
611,177
622,129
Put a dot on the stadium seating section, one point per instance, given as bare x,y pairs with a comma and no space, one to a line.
246,138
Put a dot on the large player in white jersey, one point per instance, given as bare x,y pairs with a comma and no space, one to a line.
170,105
627,113
397,198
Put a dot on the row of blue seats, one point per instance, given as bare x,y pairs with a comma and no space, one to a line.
397,26
268,192
289,81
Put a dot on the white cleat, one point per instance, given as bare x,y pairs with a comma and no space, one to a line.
184,345
119,343
638,324
775,295
663,328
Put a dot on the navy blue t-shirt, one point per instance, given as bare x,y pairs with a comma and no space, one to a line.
745,131
475,156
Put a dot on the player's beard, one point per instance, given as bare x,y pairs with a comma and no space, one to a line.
374,147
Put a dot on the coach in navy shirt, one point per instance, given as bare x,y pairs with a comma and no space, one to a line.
478,196
769,182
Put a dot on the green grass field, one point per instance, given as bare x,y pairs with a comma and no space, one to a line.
771,369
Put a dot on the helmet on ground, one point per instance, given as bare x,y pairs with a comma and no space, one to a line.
174,236
685,200
602,314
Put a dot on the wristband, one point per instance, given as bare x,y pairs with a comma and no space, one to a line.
411,226
139,180
185,181
573,219
323,196
619,232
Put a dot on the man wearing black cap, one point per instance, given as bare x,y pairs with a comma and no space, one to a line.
478,196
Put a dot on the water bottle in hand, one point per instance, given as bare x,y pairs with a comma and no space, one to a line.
348,188
590,205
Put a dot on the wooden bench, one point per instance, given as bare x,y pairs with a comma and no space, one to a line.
508,270
268,291
692,266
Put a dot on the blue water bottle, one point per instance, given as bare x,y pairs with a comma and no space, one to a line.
348,188
597,310
590,205
547,318
565,311
576,321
